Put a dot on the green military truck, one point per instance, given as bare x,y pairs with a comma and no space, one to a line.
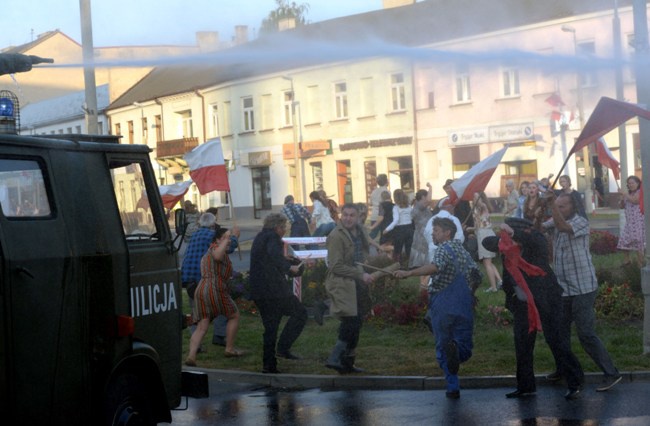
90,295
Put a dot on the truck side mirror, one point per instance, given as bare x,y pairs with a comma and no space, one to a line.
179,221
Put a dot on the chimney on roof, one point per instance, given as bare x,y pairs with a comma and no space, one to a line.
397,3
286,24
207,41
241,34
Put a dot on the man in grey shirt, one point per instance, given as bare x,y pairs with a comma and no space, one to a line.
577,276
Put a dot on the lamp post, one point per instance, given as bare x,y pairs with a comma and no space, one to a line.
297,143
585,150
642,48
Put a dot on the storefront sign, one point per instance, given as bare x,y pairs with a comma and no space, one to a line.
468,136
478,135
306,149
259,159
511,132
376,143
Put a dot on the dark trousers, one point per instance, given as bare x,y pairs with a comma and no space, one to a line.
402,239
272,311
350,327
580,310
549,305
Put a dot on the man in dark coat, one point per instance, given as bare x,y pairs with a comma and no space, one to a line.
538,297
272,292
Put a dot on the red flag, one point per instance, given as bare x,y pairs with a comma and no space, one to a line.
555,100
476,178
606,158
172,194
608,115
515,264
207,167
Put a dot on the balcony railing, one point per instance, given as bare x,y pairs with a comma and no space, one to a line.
176,147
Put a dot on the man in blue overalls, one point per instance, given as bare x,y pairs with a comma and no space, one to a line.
451,301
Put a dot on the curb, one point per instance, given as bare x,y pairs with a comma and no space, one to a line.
345,382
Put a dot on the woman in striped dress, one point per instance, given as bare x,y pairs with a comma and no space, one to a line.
212,297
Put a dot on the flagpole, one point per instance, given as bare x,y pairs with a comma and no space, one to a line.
566,160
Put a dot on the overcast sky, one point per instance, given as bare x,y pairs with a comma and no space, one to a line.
149,22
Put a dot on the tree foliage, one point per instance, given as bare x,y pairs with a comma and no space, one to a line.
284,10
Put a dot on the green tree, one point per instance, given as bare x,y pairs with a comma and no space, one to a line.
284,10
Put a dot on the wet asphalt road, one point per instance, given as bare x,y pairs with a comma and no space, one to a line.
246,404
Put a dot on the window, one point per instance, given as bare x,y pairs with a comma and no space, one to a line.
340,100
344,181
22,189
313,105
397,93
587,50
77,129
227,118
317,175
463,158
118,129
400,173
185,127
463,91
130,127
100,128
214,121
510,82
248,118
145,130
267,112
133,203
287,108
366,106
158,120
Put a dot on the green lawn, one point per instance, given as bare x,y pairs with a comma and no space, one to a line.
409,350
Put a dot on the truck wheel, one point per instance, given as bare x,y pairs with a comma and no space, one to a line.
126,402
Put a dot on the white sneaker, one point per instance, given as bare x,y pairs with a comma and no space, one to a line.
609,382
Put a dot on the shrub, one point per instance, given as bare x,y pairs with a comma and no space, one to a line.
602,242
239,285
500,315
313,283
618,302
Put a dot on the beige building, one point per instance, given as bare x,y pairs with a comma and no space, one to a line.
420,92
496,91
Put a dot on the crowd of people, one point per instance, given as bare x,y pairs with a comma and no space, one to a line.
547,273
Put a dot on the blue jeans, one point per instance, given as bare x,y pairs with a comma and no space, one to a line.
448,327
580,310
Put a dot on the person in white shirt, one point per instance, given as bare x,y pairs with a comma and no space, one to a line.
446,207
321,216
401,227
375,200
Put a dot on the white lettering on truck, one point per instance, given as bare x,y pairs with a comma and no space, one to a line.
153,299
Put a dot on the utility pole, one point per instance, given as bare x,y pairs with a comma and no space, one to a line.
620,95
89,67
643,97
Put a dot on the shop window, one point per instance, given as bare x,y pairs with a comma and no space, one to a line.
400,173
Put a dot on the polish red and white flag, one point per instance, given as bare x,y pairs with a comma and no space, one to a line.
606,158
172,194
608,115
207,167
476,178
